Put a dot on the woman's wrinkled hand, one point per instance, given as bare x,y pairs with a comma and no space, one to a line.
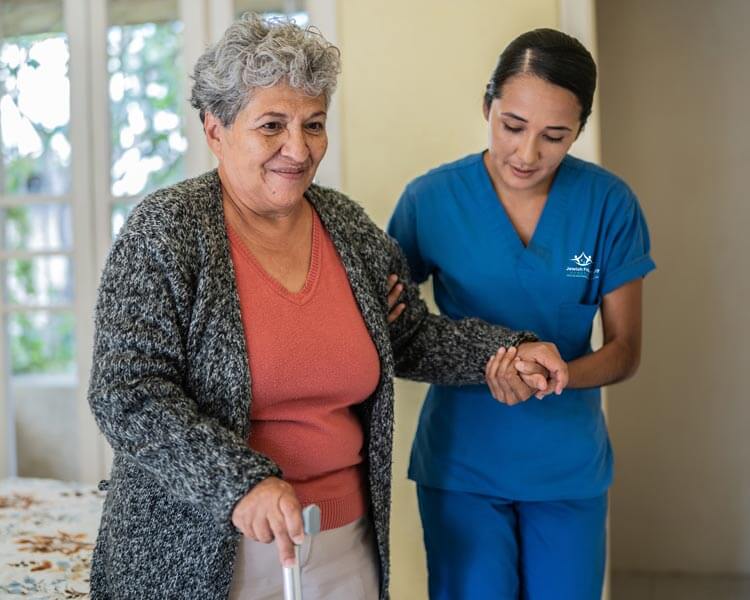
504,381
546,355
271,512
395,308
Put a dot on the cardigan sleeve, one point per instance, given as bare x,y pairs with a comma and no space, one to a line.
137,391
436,349
429,347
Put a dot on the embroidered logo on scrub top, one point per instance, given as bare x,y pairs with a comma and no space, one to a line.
582,260
584,267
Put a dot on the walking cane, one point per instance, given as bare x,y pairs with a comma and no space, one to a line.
292,578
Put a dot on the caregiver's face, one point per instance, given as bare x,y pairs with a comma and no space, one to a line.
531,127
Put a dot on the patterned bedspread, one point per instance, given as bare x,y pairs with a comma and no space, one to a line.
47,534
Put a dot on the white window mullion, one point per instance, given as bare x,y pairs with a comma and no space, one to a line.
8,463
2,160
102,162
220,16
6,201
84,151
27,254
322,15
7,419
50,308
100,124
195,18
99,164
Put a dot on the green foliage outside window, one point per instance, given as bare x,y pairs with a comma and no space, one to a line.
147,58
45,170
37,349
146,68
39,343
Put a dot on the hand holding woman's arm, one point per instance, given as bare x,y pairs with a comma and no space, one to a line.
509,378
395,308
435,348
534,368
546,355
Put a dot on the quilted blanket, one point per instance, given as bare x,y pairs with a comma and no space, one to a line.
47,534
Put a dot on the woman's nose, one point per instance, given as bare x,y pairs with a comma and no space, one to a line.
295,146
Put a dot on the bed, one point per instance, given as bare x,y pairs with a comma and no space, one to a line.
47,534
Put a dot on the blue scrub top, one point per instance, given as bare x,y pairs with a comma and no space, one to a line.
591,238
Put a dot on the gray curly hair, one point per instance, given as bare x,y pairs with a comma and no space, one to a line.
259,53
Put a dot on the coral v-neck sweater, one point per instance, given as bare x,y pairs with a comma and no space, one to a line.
311,361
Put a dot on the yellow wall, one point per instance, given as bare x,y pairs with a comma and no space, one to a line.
410,96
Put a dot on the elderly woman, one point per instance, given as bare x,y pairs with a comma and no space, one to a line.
244,358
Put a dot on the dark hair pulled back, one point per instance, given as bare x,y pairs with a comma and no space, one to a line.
553,56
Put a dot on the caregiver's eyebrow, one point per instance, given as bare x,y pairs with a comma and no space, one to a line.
518,118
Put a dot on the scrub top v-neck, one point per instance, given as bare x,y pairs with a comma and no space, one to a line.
499,219
590,239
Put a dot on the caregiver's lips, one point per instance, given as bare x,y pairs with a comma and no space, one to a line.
522,173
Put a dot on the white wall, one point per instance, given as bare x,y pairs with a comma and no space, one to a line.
675,87
47,426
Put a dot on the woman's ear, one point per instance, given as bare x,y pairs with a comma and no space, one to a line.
214,131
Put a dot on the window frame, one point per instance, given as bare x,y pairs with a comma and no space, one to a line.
90,199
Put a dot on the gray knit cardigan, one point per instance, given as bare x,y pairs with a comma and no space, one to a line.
170,387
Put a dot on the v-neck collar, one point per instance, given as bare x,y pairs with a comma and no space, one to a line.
307,291
499,219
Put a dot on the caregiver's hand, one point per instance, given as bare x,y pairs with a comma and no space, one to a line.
534,375
546,355
395,307
271,512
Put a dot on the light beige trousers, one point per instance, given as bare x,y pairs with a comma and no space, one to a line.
338,564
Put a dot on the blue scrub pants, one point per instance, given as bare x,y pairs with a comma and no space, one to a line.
487,548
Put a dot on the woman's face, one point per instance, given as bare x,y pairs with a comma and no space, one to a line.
269,155
531,127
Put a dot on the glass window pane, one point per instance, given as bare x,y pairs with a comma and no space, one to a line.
146,98
34,68
41,280
41,342
120,212
36,227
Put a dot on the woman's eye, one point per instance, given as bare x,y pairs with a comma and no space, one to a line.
554,140
271,127
315,127
512,129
